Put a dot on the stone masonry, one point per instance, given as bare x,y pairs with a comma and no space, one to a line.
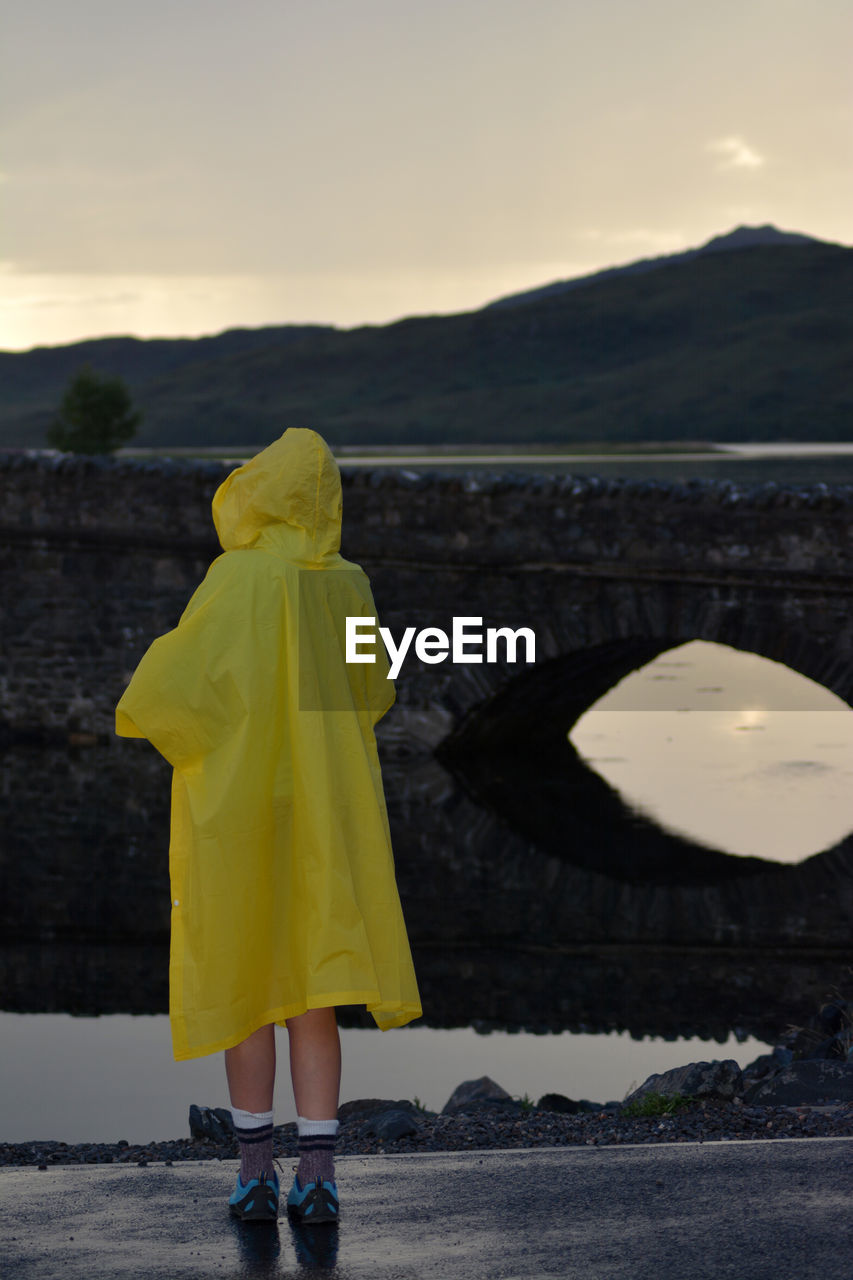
99,556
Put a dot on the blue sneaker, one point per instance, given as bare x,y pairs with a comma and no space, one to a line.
257,1201
315,1202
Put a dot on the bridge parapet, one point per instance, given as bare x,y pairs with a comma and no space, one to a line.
100,555
477,518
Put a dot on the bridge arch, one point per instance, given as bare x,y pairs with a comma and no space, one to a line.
511,752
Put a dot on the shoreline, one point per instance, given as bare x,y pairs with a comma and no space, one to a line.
478,1128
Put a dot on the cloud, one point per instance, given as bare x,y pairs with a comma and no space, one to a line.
645,237
736,153
23,291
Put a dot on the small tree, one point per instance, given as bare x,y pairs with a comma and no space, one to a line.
96,415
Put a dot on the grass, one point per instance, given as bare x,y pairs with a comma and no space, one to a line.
658,1104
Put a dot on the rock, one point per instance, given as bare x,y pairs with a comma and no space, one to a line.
808,1042
475,1092
831,1017
834,1047
764,1065
811,1081
388,1125
568,1106
214,1123
558,1102
360,1108
695,1080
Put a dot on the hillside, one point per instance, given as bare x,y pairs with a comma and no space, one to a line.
32,382
752,342
740,238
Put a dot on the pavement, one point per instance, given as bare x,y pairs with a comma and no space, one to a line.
753,1210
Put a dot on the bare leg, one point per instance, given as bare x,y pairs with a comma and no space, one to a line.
250,1068
315,1063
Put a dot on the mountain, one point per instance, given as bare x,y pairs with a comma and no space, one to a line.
740,238
733,341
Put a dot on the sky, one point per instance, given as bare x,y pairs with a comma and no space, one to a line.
185,166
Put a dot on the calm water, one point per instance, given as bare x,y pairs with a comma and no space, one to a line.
705,744
747,779
728,748
102,1079
795,464
741,463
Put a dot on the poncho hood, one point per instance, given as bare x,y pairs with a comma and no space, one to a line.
288,496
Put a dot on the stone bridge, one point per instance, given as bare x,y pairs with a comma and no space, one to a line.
519,869
99,556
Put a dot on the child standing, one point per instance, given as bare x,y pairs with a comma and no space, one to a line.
284,899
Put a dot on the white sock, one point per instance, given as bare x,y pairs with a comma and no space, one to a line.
310,1128
250,1119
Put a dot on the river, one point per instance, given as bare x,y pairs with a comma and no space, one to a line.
707,745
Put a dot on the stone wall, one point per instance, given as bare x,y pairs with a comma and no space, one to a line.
98,556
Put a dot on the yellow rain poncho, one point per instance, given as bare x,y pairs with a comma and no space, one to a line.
283,890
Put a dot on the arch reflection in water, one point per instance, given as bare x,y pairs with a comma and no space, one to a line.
535,897
729,749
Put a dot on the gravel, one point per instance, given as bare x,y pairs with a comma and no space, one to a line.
480,1128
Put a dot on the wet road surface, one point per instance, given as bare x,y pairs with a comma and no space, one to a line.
766,1210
